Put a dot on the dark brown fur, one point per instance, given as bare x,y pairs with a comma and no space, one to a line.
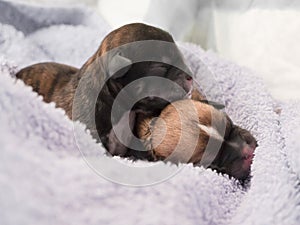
161,136
58,83
53,82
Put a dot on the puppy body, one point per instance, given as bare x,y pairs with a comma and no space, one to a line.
58,83
178,127
53,81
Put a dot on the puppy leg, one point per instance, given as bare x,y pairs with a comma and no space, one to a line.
115,146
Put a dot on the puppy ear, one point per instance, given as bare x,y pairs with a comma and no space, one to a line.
117,63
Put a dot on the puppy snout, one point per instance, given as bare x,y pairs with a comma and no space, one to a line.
188,78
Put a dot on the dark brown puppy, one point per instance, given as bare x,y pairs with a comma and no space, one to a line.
191,131
58,83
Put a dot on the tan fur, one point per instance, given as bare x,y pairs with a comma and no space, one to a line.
171,125
196,95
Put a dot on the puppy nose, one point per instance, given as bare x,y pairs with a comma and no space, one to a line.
248,152
188,77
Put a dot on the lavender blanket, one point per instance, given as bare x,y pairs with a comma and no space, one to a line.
45,180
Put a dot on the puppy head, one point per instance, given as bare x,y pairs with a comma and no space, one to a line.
234,146
132,32
145,51
236,154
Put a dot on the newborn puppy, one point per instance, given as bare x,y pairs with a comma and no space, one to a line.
101,80
189,131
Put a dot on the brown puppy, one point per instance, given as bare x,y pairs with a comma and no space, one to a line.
191,131
59,83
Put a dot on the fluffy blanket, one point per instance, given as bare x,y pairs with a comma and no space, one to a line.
45,180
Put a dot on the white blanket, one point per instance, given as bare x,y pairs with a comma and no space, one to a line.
45,180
